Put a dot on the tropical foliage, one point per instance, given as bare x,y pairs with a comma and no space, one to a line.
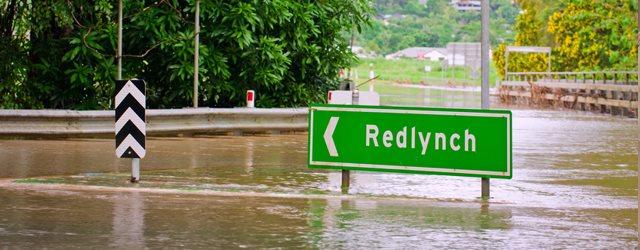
595,35
584,35
61,53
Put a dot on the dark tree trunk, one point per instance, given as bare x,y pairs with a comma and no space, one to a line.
7,18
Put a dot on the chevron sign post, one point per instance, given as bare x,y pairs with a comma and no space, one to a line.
130,128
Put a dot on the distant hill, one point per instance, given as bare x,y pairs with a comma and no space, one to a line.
432,23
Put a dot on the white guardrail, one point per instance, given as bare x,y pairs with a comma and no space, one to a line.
159,121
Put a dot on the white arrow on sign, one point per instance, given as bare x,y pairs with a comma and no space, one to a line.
328,136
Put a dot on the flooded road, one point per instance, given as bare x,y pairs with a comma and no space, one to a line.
574,186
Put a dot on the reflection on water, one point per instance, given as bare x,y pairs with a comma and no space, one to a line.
574,186
88,219
128,221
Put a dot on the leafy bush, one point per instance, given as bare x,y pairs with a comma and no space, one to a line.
61,53
585,35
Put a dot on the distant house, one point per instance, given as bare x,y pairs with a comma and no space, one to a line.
466,5
420,53
436,54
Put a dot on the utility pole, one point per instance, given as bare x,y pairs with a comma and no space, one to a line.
119,52
485,76
638,108
196,56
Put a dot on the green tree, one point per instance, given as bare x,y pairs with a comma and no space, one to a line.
14,17
595,35
584,35
288,51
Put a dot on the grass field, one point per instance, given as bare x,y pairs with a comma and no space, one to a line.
402,95
412,71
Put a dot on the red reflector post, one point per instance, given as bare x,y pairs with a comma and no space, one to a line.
251,98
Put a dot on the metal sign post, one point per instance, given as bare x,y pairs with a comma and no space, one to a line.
346,174
485,78
130,127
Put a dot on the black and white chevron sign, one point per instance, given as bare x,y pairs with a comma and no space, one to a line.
130,118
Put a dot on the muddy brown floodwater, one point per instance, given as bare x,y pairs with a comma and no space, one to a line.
574,186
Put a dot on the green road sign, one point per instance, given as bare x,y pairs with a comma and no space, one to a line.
464,142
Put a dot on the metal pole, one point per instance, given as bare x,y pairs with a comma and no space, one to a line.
485,76
346,174
135,170
345,181
638,110
119,52
196,56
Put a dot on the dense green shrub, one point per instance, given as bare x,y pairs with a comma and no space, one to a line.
61,53
585,35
